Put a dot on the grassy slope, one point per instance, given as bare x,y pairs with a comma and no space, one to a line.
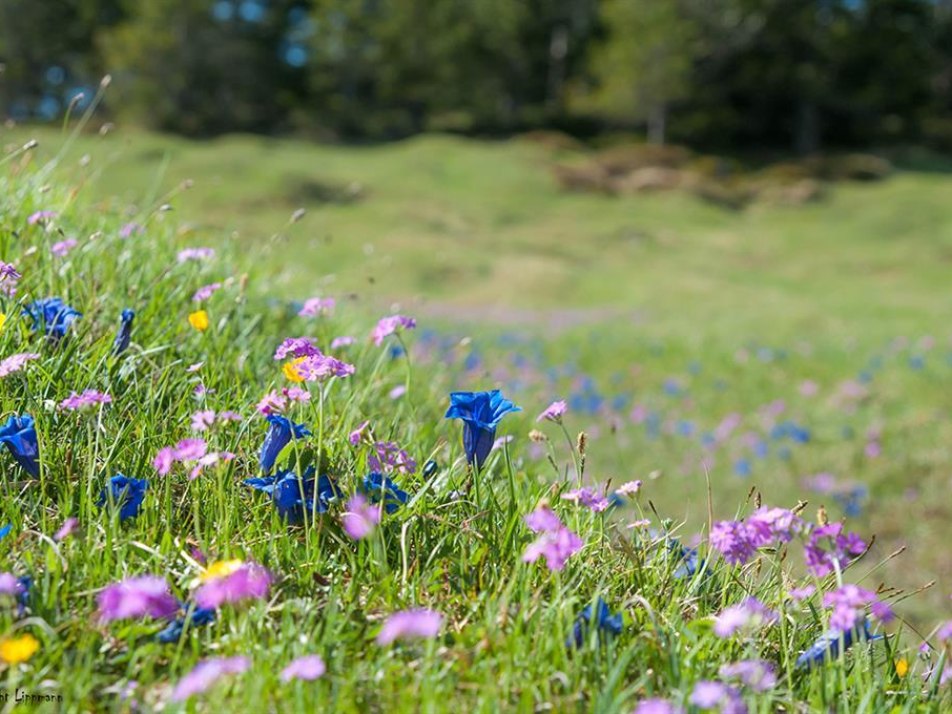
482,223
825,287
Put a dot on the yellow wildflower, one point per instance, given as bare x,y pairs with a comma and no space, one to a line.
199,320
221,568
15,650
290,370
3,319
902,667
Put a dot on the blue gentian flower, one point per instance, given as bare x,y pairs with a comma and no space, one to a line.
604,621
280,432
379,487
126,493
481,413
51,315
196,618
689,559
5,531
23,597
430,468
124,335
19,436
293,496
827,646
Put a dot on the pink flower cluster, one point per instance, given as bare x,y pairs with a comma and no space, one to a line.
829,548
275,402
748,614
738,541
555,543
387,457
205,292
296,347
135,598
316,306
360,518
9,276
410,624
206,673
593,500
204,419
389,325
192,452
89,398
248,581
849,604
195,254
14,363
63,247
554,412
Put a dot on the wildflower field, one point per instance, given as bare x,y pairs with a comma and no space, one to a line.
231,486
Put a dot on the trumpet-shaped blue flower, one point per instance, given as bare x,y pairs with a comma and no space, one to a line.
280,432
603,620
294,496
124,335
382,488
827,646
126,494
19,436
195,617
480,413
23,597
51,315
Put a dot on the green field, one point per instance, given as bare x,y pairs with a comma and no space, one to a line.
476,237
661,318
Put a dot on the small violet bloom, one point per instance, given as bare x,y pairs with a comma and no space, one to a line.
389,325
555,543
205,292
748,614
136,598
231,582
409,624
195,254
317,306
9,277
67,529
16,362
480,413
206,673
306,668
360,518
63,247
88,398
554,412
829,548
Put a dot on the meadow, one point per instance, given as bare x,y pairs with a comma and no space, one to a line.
714,360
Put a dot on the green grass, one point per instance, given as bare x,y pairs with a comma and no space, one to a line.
471,238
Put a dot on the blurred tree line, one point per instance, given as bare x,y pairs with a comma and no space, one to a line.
793,74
